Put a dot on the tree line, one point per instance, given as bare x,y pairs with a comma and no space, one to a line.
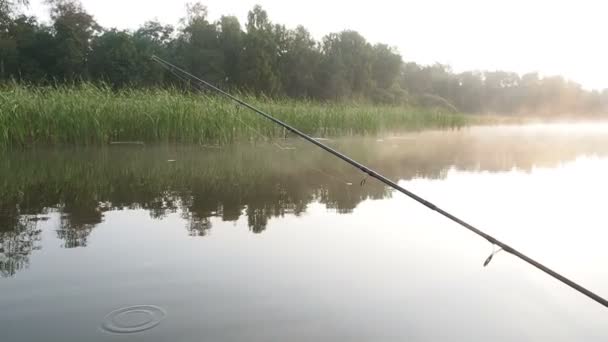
263,57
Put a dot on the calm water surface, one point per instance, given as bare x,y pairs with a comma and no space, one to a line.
283,243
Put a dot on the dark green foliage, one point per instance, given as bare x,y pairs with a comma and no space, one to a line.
73,30
300,57
385,66
151,39
265,58
230,38
259,67
346,66
113,57
198,47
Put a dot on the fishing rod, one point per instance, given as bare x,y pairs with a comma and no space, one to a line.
176,71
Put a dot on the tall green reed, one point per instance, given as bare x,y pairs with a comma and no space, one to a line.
90,114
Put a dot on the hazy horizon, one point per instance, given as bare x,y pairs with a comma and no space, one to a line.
552,38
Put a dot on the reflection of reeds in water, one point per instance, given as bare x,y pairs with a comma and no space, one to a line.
258,181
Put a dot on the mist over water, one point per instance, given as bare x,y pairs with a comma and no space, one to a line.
258,243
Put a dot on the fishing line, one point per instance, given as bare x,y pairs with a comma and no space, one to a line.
506,248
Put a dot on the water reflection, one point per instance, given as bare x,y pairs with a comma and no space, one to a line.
17,243
259,181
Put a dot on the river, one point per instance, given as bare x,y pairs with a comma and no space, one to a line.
282,242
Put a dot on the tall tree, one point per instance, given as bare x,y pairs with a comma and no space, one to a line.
8,9
300,57
8,48
7,42
114,58
347,65
152,38
385,66
198,47
385,69
259,67
74,29
265,58
231,44
34,49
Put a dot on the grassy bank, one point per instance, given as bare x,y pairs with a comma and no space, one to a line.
90,115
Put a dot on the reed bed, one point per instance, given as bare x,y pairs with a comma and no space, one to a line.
90,114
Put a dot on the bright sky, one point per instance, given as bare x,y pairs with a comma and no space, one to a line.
548,36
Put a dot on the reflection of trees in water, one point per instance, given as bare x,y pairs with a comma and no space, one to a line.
74,234
197,226
18,242
256,182
80,214
162,205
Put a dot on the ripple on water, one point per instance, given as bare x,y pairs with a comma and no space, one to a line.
133,319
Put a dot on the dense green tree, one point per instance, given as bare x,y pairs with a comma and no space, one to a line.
300,57
431,85
113,58
74,29
198,47
35,49
347,64
385,66
8,47
8,50
151,39
265,58
260,58
332,77
231,44
8,9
